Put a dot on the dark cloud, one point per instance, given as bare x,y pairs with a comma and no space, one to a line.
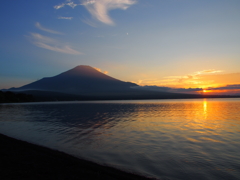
168,89
233,86
189,90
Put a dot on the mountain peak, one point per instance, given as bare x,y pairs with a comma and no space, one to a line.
83,67
86,71
80,79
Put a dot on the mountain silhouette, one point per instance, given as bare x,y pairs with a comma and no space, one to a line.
79,80
86,83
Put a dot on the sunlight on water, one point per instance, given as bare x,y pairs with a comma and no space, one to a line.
172,139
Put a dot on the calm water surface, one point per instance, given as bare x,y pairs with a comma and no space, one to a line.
165,139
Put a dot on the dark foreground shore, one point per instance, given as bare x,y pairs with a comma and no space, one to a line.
22,160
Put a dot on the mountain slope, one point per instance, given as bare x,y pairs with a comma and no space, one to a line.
81,79
86,83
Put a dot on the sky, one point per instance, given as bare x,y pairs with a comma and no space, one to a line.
170,45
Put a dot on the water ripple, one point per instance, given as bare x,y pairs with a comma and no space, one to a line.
167,139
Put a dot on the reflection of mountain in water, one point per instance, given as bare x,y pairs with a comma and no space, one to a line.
156,137
82,121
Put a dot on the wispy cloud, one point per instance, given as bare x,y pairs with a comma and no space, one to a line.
67,3
68,18
221,79
59,6
98,69
51,44
227,87
211,81
204,78
89,22
169,89
194,79
99,8
208,71
39,26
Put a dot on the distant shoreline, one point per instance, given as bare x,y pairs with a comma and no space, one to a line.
43,96
23,160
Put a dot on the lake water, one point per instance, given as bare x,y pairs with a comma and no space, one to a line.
166,139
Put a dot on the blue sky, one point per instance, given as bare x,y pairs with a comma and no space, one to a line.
171,43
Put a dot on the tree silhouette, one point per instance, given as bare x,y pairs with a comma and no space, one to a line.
8,97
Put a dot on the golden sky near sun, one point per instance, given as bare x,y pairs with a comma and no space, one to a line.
200,79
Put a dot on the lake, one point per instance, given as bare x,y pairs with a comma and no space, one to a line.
166,139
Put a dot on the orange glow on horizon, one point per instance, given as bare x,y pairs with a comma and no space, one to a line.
212,91
208,82
207,91
222,91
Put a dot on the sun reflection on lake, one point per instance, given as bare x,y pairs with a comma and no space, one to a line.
205,117
155,136
205,108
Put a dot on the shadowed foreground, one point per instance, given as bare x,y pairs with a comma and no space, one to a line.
22,160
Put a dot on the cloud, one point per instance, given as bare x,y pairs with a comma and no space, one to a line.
169,89
227,87
199,79
230,78
59,6
194,79
51,44
39,26
99,8
153,88
212,81
98,69
230,89
196,75
89,22
67,3
68,18
211,71
233,89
